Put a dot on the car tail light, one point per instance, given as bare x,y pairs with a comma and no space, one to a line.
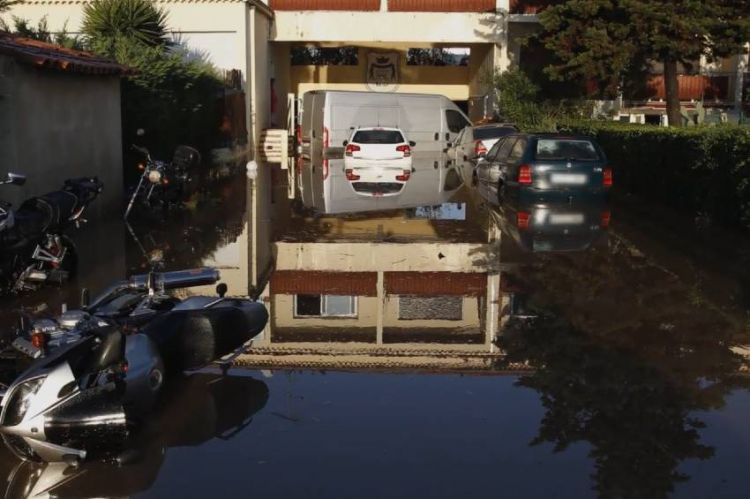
523,220
479,148
524,175
350,175
606,218
607,177
404,149
406,176
351,149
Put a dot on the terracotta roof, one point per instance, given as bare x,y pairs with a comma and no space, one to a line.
49,56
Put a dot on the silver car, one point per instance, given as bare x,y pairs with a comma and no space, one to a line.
473,143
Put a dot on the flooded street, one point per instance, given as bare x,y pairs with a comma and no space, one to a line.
449,350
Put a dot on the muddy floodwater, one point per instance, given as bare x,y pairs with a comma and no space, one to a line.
454,349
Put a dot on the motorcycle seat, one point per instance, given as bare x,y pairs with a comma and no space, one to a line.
49,212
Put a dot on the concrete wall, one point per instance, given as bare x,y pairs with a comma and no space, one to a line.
57,125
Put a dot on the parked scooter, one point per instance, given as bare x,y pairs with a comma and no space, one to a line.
94,381
163,183
33,246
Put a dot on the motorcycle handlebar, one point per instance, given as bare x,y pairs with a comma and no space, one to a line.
140,149
178,278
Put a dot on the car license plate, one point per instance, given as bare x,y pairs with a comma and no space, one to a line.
566,219
568,178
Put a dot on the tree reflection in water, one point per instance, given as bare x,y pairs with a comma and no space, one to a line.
625,355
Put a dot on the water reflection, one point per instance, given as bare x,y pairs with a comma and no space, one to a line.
196,409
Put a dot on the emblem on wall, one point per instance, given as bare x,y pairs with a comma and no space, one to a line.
382,71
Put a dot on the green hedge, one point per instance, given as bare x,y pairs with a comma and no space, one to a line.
697,170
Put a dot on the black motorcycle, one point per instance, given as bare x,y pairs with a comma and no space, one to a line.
33,246
97,371
163,183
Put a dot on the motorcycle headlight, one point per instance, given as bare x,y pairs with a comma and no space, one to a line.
154,176
20,400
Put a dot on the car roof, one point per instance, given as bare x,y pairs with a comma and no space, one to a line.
388,128
495,125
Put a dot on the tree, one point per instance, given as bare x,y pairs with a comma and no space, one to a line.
107,21
609,40
7,4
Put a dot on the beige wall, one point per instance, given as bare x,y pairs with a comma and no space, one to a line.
56,125
328,26
455,82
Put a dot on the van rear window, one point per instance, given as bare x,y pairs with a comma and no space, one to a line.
566,149
378,137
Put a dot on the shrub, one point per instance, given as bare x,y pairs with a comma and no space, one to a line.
697,170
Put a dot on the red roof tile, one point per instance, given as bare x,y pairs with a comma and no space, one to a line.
50,56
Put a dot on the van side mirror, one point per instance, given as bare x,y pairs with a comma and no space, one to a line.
15,179
449,144
412,143
346,142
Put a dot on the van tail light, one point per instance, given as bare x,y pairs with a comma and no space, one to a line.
523,220
351,176
351,149
606,218
524,175
479,148
404,149
607,177
406,176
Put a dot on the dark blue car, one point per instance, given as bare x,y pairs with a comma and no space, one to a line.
543,168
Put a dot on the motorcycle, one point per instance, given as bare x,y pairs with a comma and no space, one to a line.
33,246
93,382
163,182
198,408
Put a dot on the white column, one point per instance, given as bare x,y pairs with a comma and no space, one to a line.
380,311
383,5
739,82
502,5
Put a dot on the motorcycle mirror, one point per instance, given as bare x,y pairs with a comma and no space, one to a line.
221,289
16,179
85,298
140,132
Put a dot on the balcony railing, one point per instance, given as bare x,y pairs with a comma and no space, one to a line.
694,87
441,5
360,5
530,6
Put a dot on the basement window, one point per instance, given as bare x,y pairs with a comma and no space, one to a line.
324,56
325,306
447,308
453,56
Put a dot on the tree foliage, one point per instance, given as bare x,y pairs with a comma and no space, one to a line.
108,21
170,95
608,40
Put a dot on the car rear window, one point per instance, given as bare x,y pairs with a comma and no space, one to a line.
493,133
566,149
378,137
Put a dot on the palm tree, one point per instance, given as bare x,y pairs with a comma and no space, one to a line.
140,21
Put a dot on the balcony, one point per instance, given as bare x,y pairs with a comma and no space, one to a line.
349,5
529,7
714,87
441,5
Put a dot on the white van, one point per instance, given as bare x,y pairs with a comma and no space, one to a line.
328,118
